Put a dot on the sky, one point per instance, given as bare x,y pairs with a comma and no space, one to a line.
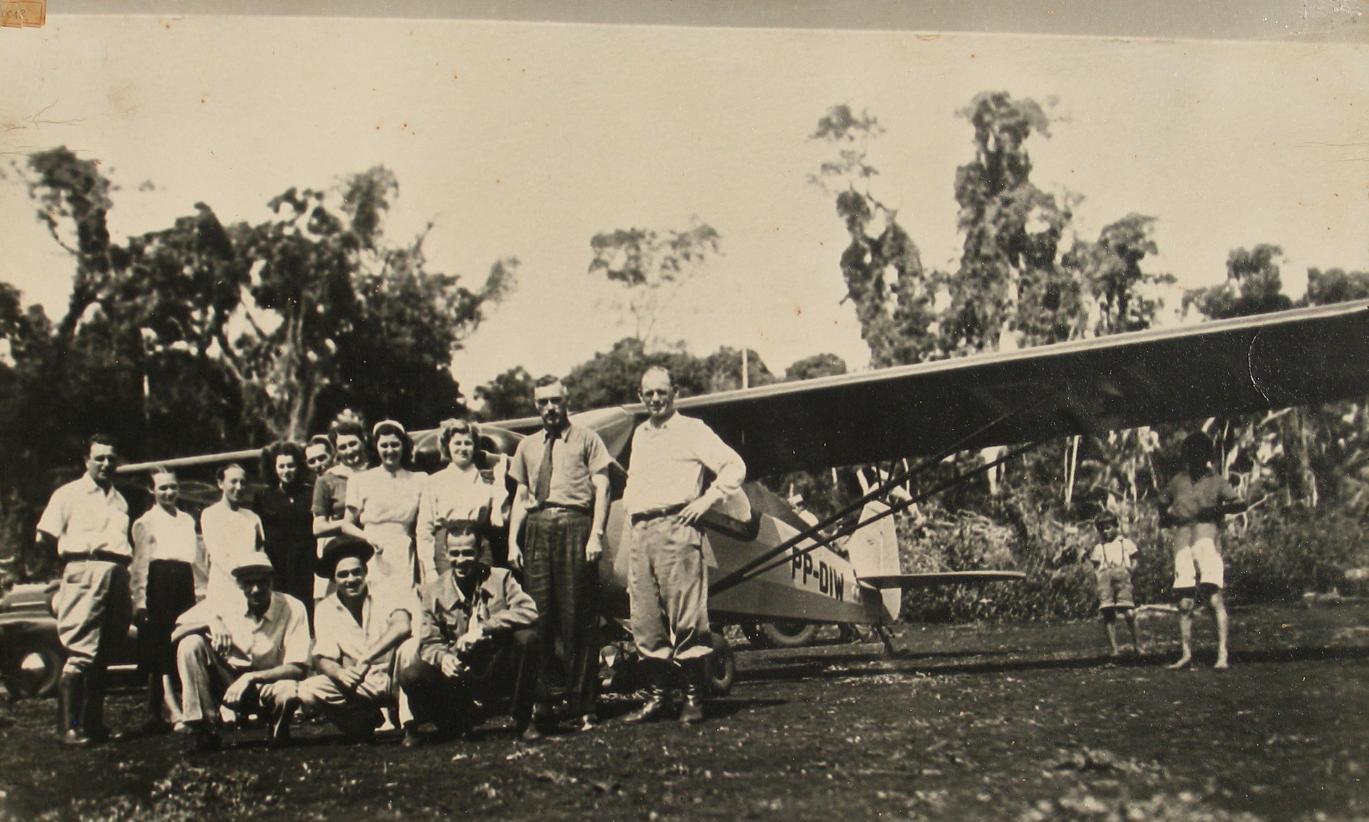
526,139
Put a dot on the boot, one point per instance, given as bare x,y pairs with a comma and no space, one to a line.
93,711
658,700
696,685
156,698
70,707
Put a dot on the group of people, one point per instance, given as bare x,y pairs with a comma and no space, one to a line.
374,595
1192,506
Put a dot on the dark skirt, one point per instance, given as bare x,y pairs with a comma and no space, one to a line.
170,593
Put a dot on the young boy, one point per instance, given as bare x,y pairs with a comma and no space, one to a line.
1112,560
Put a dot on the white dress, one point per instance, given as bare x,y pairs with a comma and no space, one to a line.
387,508
227,534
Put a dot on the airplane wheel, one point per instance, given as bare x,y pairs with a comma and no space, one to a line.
722,667
788,634
31,668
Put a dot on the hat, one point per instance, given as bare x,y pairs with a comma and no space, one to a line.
250,562
1105,519
338,549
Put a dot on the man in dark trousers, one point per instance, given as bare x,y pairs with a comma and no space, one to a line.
563,486
475,642
86,520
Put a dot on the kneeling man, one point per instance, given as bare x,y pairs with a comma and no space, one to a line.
358,643
245,651
476,640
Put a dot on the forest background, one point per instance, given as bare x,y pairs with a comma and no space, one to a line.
203,337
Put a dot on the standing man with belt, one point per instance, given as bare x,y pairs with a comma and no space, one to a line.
667,577
563,486
87,521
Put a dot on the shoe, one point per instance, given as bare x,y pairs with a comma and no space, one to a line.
279,737
587,723
695,674
531,734
657,705
412,738
204,740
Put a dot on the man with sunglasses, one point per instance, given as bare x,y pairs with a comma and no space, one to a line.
667,577
359,644
563,486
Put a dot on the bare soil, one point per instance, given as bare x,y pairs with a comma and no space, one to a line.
965,722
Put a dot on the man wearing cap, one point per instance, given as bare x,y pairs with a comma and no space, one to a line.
562,478
475,641
86,520
358,637
246,652
667,577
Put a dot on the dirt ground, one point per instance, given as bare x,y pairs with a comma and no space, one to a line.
996,721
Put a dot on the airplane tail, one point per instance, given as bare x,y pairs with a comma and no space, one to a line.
874,552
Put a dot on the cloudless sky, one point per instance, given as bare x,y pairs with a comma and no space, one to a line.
526,139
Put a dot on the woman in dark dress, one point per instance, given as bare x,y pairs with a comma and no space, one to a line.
285,508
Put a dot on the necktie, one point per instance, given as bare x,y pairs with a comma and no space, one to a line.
544,473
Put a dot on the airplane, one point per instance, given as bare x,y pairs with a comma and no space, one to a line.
766,563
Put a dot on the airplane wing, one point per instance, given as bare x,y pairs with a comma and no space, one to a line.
1088,386
1275,360
883,581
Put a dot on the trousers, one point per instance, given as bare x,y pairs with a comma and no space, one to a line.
510,671
565,587
93,609
205,677
379,689
668,586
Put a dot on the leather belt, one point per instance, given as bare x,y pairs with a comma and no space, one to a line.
97,556
657,513
556,506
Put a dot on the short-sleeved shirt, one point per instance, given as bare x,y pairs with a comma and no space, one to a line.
86,518
1116,554
381,497
576,456
669,461
281,637
228,534
339,637
330,492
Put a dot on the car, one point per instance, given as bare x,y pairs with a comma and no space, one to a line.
31,656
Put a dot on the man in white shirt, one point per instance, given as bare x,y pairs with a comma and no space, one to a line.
359,644
668,579
86,520
246,652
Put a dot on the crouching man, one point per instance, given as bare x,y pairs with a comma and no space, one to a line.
245,652
476,641
359,644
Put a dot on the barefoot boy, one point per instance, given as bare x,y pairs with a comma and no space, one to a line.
1113,558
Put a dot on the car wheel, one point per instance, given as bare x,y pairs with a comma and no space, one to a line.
722,667
31,667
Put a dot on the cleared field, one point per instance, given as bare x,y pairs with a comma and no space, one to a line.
1000,721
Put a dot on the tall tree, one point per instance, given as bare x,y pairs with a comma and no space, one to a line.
1110,269
894,297
1253,285
650,266
1010,290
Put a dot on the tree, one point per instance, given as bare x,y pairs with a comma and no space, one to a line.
1335,285
1252,286
1009,290
508,396
650,267
1110,269
893,295
818,365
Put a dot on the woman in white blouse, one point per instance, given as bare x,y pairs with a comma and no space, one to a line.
382,508
459,499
